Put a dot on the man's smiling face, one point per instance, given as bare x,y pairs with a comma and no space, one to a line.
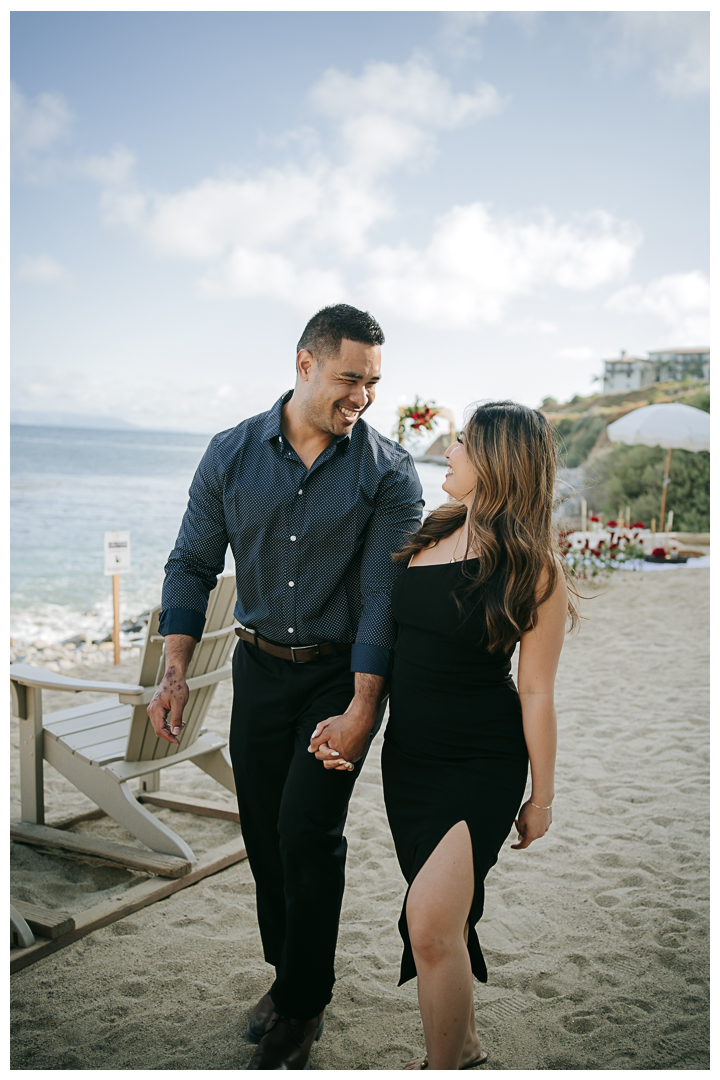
340,387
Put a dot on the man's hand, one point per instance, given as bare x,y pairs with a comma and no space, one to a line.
341,740
166,708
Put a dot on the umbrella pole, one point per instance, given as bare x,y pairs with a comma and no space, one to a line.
666,481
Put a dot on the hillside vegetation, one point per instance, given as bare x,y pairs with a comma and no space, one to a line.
615,475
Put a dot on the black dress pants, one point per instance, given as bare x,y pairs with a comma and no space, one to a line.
292,814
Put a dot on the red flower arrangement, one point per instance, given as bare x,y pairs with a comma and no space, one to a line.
659,553
610,524
638,525
593,517
419,416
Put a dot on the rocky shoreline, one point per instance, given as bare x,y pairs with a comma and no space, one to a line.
81,649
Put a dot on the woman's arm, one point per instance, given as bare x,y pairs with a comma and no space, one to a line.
539,656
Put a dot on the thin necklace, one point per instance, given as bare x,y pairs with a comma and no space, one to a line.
456,547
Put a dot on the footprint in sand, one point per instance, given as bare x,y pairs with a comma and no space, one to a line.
124,928
580,1024
606,900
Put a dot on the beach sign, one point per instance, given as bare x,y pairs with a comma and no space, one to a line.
117,561
117,552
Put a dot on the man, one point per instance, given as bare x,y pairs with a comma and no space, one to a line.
313,502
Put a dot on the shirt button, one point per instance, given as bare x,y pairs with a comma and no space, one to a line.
293,537
291,584
290,630
300,491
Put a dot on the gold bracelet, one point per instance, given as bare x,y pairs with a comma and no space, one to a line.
540,807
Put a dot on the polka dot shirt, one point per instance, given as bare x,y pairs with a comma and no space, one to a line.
312,547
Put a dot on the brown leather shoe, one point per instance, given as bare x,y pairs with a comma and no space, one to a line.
260,1018
287,1043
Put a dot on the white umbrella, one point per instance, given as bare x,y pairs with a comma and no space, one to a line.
672,426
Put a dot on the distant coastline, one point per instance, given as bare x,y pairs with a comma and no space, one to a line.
32,418
86,422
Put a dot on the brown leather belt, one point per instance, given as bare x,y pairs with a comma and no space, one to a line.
299,654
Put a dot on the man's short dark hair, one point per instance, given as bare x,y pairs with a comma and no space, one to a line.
324,333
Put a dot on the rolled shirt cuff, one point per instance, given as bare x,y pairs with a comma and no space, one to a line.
181,621
371,659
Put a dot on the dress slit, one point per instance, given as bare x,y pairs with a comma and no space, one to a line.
408,969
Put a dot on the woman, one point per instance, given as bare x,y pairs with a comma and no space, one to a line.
483,575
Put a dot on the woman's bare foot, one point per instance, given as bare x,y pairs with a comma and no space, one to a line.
417,1063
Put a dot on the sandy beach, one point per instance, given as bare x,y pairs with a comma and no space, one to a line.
596,938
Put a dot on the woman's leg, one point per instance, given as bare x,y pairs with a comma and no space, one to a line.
437,909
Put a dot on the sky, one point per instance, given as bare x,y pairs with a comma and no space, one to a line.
514,196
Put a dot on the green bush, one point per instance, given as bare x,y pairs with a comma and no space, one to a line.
699,399
577,437
633,475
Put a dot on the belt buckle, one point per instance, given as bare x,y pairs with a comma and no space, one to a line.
300,648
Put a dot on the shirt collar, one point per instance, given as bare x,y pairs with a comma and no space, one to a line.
272,425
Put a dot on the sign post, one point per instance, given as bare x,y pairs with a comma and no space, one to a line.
117,562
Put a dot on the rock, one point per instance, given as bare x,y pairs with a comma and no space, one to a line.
105,645
40,644
78,639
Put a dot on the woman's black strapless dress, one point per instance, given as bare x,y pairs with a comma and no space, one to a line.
454,748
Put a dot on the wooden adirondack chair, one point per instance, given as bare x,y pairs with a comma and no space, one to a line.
103,746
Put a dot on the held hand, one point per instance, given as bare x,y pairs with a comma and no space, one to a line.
166,708
531,823
341,740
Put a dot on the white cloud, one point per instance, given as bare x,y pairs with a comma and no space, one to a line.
42,269
307,233
476,263
262,273
580,352
680,301
411,92
37,126
674,44
532,326
113,171
389,115
461,33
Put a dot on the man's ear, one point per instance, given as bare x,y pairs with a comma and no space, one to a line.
304,363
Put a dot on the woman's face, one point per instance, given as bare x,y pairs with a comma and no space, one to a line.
461,478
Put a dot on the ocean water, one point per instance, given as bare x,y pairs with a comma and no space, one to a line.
71,485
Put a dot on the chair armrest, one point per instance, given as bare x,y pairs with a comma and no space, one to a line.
27,675
139,695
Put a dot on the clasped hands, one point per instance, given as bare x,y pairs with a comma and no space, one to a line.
340,741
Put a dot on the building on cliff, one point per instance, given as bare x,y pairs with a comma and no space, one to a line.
662,365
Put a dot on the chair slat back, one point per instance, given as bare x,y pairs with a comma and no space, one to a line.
211,653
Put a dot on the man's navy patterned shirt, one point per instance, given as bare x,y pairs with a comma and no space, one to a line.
311,547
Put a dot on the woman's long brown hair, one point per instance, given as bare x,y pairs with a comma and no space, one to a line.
513,453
